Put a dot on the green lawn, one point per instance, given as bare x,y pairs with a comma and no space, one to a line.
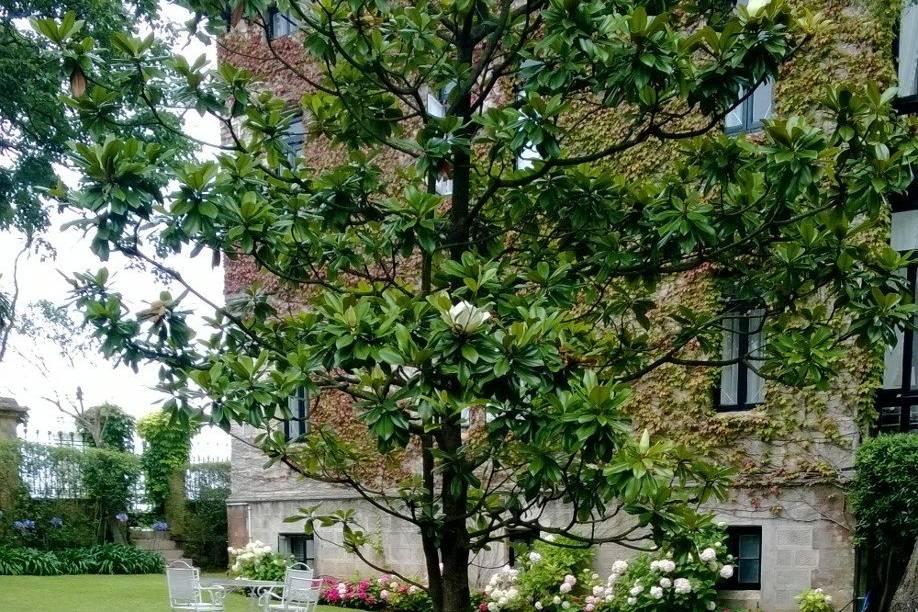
145,593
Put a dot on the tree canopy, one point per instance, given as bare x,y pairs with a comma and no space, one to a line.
533,295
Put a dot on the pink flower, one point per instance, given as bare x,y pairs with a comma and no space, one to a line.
483,606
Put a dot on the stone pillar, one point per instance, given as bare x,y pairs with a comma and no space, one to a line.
11,415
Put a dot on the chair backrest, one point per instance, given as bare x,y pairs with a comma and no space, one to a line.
300,588
184,583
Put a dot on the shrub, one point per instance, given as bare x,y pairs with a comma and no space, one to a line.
814,600
84,490
102,559
675,577
383,593
205,534
884,493
256,562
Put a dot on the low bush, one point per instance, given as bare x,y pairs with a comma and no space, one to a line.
101,559
255,561
383,593
814,600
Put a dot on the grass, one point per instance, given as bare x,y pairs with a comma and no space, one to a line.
143,593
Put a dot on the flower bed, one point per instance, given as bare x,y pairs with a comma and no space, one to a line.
383,593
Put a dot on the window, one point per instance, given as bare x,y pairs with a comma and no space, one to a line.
280,24
897,401
301,546
907,56
748,115
741,387
436,107
518,542
295,138
745,544
297,425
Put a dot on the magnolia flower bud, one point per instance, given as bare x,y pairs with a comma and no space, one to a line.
756,6
466,318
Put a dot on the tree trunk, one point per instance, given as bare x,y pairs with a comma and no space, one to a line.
906,596
456,594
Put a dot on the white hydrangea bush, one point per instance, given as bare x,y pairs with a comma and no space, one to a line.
256,561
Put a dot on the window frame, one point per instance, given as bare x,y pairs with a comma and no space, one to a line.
734,532
743,371
905,395
905,105
294,142
749,125
303,409
283,545
272,30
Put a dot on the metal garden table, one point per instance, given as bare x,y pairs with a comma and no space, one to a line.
257,587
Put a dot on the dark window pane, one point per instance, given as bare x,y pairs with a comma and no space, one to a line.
749,546
749,572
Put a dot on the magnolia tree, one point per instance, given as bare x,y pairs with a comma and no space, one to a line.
531,295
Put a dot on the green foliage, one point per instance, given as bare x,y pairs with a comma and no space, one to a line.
205,526
36,128
92,486
100,559
115,426
165,454
814,600
884,492
558,559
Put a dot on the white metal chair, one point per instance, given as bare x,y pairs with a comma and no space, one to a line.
300,593
187,594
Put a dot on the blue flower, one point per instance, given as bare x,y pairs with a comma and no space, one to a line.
56,522
160,526
24,526
122,517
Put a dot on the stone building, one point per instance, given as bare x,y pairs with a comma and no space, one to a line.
787,519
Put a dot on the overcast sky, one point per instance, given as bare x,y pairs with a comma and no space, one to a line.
41,279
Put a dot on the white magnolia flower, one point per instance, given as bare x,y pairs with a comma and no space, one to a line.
755,6
710,605
726,571
565,587
636,590
556,600
538,605
667,566
619,567
631,601
682,585
666,583
565,604
466,317
708,555
656,592
534,557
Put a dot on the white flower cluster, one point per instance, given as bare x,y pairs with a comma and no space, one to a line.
501,588
663,578
252,551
